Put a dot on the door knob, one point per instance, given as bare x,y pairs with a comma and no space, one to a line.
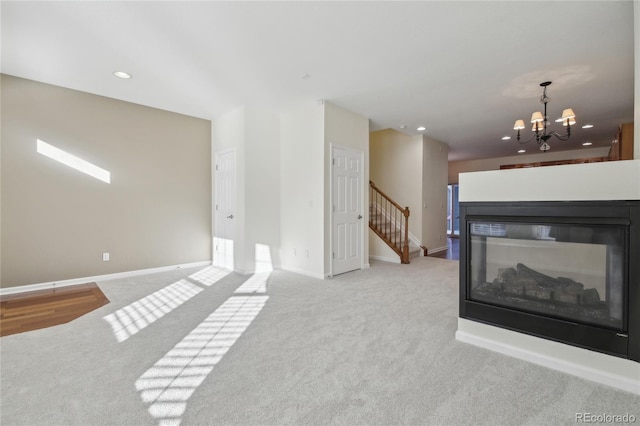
359,216
230,216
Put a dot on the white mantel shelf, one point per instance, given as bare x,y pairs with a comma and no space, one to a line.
613,180
610,180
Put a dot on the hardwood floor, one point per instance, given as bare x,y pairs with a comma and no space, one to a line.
453,250
45,308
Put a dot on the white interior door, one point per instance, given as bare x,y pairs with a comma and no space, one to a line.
346,194
225,204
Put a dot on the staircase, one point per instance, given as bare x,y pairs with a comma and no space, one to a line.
390,222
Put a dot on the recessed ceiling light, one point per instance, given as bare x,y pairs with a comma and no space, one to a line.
122,74
587,126
421,128
559,120
306,76
587,143
506,138
402,126
522,151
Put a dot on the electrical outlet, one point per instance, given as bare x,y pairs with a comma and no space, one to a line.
307,253
105,257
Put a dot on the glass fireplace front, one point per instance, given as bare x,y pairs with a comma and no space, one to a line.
560,270
567,271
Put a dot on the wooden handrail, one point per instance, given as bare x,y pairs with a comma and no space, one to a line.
379,191
387,224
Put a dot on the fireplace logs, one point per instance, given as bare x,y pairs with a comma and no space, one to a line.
528,282
529,289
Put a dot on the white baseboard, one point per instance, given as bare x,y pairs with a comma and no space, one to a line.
605,369
306,273
76,281
436,250
395,259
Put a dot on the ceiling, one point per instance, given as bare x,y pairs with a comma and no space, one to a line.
464,70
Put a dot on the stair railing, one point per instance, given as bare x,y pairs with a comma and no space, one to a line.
389,221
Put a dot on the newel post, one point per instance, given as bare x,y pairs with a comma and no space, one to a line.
405,247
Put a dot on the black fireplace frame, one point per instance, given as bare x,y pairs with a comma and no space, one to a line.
624,342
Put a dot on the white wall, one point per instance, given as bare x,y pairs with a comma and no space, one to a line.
228,132
434,194
608,180
347,129
302,189
262,179
255,136
457,167
282,181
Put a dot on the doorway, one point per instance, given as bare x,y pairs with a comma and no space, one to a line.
453,211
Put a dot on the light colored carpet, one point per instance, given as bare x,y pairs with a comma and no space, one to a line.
372,347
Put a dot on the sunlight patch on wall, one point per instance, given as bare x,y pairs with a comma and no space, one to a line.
223,253
129,320
73,161
257,283
263,258
168,385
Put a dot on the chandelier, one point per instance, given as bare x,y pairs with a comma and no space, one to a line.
540,123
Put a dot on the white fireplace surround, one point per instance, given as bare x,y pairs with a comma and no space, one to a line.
614,180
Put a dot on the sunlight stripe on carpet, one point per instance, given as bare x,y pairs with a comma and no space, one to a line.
172,380
131,319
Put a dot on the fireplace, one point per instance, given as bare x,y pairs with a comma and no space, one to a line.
567,271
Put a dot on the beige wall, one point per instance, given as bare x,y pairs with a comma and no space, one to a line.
413,171
434,194
57,222
396,168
